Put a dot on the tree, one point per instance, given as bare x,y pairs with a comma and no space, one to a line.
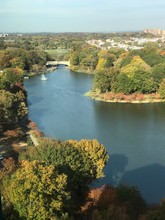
17,62
74,59
4,59
158,73
143,82
42,189
107,202
82,161
101,64
104,80
162,89
2,45
95,152
123,84
12,109
8,109
13,75
137,64
156,212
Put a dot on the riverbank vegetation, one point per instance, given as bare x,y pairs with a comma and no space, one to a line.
52,180
132,76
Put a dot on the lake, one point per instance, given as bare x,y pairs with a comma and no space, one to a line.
133,134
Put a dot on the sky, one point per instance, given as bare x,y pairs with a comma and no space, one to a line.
81,15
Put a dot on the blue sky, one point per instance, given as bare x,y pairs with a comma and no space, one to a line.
80,15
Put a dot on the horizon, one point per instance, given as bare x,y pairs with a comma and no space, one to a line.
74,32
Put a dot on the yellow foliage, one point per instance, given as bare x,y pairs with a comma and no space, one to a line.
95,152
37,191
101,63
136,64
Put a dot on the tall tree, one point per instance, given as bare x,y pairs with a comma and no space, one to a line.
38,191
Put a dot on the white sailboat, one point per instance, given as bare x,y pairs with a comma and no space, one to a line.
43,77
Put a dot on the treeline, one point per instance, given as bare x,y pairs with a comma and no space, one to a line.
27,60
13,105
14,65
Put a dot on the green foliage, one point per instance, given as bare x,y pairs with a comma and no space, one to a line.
2,44
17,62
156,212
23,59
83,161
158,73
137,64
136,77
42,189
143,82
123,84
13,76
8,108
104,80
4,59
162,89
12,98
130,198
150,54
140,82
74,59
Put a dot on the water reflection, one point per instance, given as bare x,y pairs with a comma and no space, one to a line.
150,180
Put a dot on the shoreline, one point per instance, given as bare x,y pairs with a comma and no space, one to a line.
31,74
121,98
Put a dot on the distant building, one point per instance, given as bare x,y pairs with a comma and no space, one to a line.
4,35
163,32
154,31
19,35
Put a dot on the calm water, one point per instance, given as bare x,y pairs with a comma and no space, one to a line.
134,134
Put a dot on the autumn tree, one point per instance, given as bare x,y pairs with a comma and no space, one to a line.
82,161
17,62
107,202
14,75
12,109
42,189
8,110
86,158
137,64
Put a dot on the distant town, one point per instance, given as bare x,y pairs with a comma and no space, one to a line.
131,43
